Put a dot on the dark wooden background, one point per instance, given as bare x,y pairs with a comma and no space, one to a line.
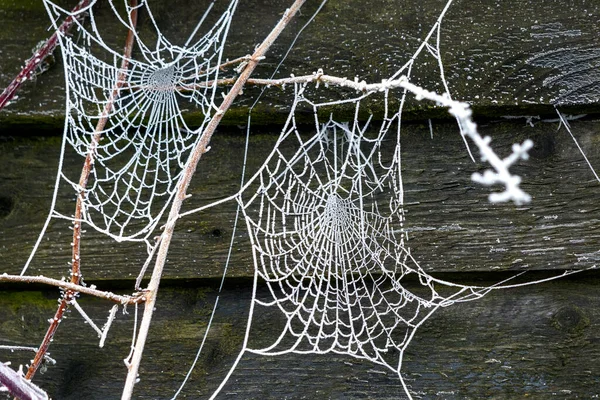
514,60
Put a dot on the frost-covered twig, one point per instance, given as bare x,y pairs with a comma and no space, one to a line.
462,111
502,175
111,317
47,357
18,386
92,291
102,333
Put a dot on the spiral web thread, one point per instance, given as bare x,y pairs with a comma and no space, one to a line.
146,142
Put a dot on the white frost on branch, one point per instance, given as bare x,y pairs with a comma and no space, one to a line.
460,110
501,175
18,386
102,333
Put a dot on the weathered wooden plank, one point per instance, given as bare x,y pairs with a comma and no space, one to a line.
536,342
505,57
450,223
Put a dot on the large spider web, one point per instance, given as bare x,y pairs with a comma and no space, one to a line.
325,218
146,142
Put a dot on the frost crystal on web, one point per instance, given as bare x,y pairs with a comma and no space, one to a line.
145,142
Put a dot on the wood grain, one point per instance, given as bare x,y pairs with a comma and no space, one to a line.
506,58
451,225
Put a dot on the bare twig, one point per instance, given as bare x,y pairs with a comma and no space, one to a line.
47,357
76,288
180,196
40,55
238,61
69,294
317,77
460,110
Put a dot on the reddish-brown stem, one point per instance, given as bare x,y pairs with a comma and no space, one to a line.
30,65
200,148
69,294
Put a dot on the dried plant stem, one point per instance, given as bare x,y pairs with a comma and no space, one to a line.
180,196
48,359
237,61
40,55
134,299
69,294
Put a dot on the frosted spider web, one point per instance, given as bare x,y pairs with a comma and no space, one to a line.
146,142
325,218
326,226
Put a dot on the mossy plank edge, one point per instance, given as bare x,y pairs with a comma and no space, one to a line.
535,342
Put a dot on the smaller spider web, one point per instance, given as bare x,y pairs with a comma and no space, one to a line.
144,141
326,227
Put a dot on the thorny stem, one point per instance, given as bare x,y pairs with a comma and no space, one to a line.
70,294
30,65
134,299
180,196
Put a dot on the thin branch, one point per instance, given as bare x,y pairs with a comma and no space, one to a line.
69,295
92,291
47,358
18,386
106,327
102,333
460,110
40,55
240,61
317,78
180,196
